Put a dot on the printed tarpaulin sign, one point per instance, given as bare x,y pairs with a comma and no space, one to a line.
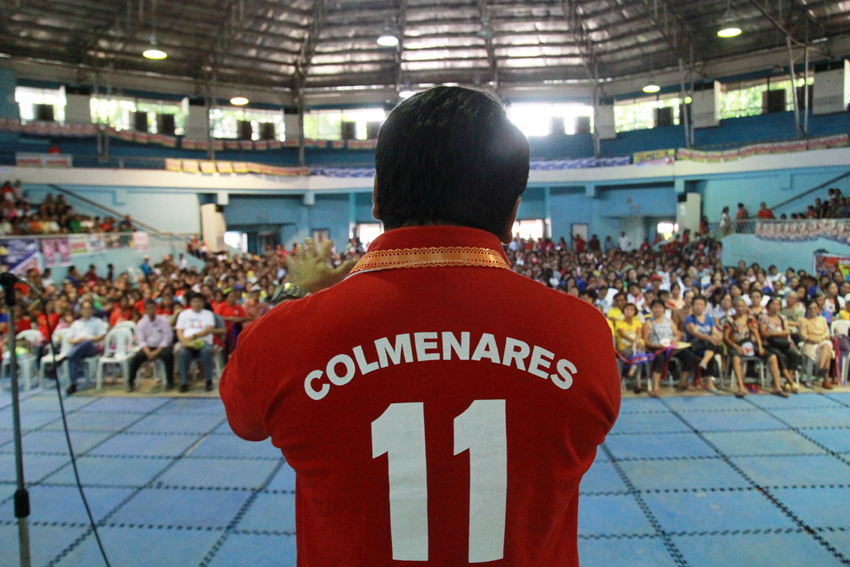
17,255
56,252
43,160
96,244
140,241
79,244
655,157
828,264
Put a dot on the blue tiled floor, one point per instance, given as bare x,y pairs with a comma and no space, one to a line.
698,481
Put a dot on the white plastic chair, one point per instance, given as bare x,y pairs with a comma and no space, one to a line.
60,341
116,351
26,362
158,368
131,327
218,363
126,324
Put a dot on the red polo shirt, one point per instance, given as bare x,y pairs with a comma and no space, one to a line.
433,416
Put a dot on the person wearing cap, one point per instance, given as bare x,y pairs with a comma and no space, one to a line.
655,283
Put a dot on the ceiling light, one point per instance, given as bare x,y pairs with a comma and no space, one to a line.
729,30
406,94
154,54
728,26
388,38
651,88
486,31
239,101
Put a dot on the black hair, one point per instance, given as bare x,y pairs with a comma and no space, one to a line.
657,302
450,156
590,294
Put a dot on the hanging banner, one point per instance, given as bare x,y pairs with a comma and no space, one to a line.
656,157
96,244
25,159
18,255
113,240
730,155
140,241
828,264
56,252
79,244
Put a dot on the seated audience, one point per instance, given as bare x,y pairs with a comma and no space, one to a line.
705,341
817,342
776,337
154,337
86,333
662,338
194,331
744,341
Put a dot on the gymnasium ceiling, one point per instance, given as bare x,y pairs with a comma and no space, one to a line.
330,45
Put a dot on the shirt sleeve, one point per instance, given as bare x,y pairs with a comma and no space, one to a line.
237,393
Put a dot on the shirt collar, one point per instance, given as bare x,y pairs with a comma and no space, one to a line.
437,237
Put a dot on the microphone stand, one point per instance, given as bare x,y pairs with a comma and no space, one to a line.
22,497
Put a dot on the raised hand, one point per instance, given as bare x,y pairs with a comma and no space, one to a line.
305,268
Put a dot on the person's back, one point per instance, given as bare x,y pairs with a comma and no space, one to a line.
466,357
435,406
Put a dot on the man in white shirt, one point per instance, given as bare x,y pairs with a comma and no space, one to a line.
86,332
625,243
182,263
194,331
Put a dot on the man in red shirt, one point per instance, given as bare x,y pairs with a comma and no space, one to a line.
234,315
579,242
429,407
765,213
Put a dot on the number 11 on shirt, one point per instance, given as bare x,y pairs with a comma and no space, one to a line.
481,429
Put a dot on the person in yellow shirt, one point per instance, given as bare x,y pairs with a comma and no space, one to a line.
629,334
616,312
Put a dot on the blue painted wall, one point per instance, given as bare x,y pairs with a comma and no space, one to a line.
172,211
289,217
751,189
783,255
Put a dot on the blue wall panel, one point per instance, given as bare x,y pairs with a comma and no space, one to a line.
783,255
172,211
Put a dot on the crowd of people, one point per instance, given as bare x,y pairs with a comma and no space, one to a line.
674,310
678,308
835,206
179,313
52,216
